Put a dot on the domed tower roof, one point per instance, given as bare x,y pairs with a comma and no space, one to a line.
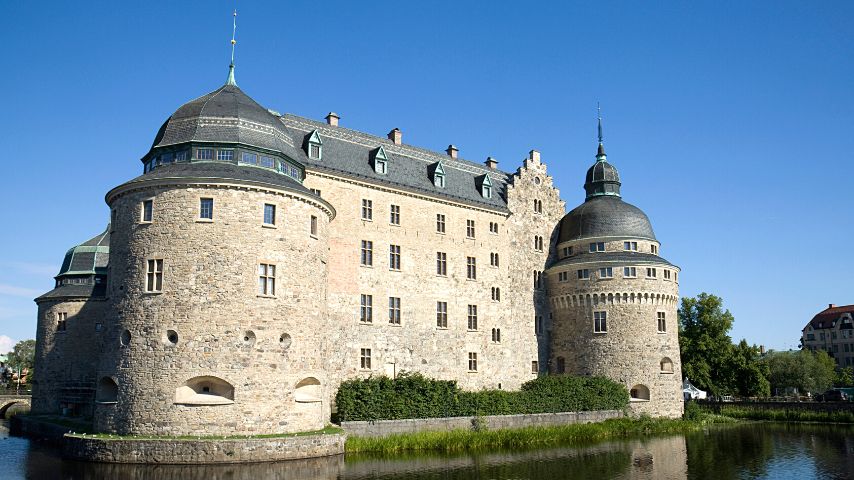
89,258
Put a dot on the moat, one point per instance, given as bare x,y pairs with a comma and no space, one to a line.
749,450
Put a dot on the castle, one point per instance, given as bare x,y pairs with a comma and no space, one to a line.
261,259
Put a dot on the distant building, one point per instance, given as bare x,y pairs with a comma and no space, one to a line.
832,330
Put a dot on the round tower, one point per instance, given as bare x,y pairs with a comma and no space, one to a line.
217,281
615,298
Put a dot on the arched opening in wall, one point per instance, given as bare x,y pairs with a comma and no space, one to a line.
639,393
561,365
205,390
107,391
307,390
666,365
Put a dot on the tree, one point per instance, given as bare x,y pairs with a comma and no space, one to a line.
844,377
801,369
22,355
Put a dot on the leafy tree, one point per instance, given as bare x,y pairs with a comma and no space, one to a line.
22,355
844,377
751,375
801,369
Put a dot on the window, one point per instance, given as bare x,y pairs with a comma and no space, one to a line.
538,206
496,294
147,210
442,314
61,319
394,310
472,362
630,272
315,191
440,223
365,358
367,209
313,228
538,325
381,166
597,247
538,279
206,208
630,246
653,249
394,257
639,392
439,176
315,146
470,228
600,322
249,157
584,274
472,317
154,276
366,308
225,155
266,279
269,214
535,367
493,227
486,187
204,154
181,156
496,335
493,259
561,365
394,215
567,251
662,324
606,272
651,273
562,276
471,268
314,151
667,275
367,258
538,243
441,263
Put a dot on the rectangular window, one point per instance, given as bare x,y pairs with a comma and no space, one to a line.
147,210
394,215
250,158
442,314
651,273
441,263
314,150
266,279
493,228
630,272
366,309
667,274
440,223
367,258
206,208
367,209
606,272
313,228
204,154
471,268
225,155
61,319
269,214
538,325
493,259
496,335
315,191
154,276
600,322
662,323
538,279
563,276
268,162
181,156
630,246
584,274
365,358
535,367
394,310
597,247
472,317
567,251
472,362
394,257
653,249
470,228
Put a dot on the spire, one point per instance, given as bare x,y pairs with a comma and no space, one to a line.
230,80
602,178
600,153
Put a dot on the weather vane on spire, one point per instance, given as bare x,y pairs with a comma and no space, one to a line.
599,115
231,80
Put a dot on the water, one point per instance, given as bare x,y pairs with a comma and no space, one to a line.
764,450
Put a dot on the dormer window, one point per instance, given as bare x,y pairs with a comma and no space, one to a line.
439,175
380,161
486,187
315,146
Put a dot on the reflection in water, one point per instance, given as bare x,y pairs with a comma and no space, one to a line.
755,450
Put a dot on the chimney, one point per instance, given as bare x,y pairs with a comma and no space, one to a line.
332,119
534,155
831,305
491,163
396,136
452,151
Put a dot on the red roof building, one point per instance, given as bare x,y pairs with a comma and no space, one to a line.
832,330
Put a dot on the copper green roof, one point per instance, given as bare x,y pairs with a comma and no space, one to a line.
89,258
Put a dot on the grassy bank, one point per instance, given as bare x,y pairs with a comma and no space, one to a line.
781,414
527,438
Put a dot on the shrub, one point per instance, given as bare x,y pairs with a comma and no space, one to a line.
411,395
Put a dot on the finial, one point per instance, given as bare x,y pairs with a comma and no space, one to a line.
600,153
230,80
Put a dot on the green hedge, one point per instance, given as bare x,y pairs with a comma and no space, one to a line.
411,395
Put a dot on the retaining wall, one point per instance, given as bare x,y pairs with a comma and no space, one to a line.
381,428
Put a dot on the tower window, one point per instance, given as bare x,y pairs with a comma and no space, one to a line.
147,210
667,274
472,362
61,319
630,272
561,365
315,150
154,275
493,228
442,314
206,208
496,294
538,279
269,214
204,154
394,310
567,251
367,209
266,279
394,215
630,246
249,158
313,226
600,322
662,323
651,273
538,243
562,276
367,257
535,367
597,247
366,308
440,223
653,249
225,155
606,272
584,274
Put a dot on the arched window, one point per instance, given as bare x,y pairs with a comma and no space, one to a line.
108,391
639,393
307,390
666,365
205,390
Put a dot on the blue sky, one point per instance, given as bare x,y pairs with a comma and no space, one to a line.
732,123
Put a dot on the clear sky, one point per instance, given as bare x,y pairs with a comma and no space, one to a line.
732,123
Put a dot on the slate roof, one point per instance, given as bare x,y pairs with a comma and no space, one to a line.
605,216
225,115
628,259
826,318
348,153
89,258
75,290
